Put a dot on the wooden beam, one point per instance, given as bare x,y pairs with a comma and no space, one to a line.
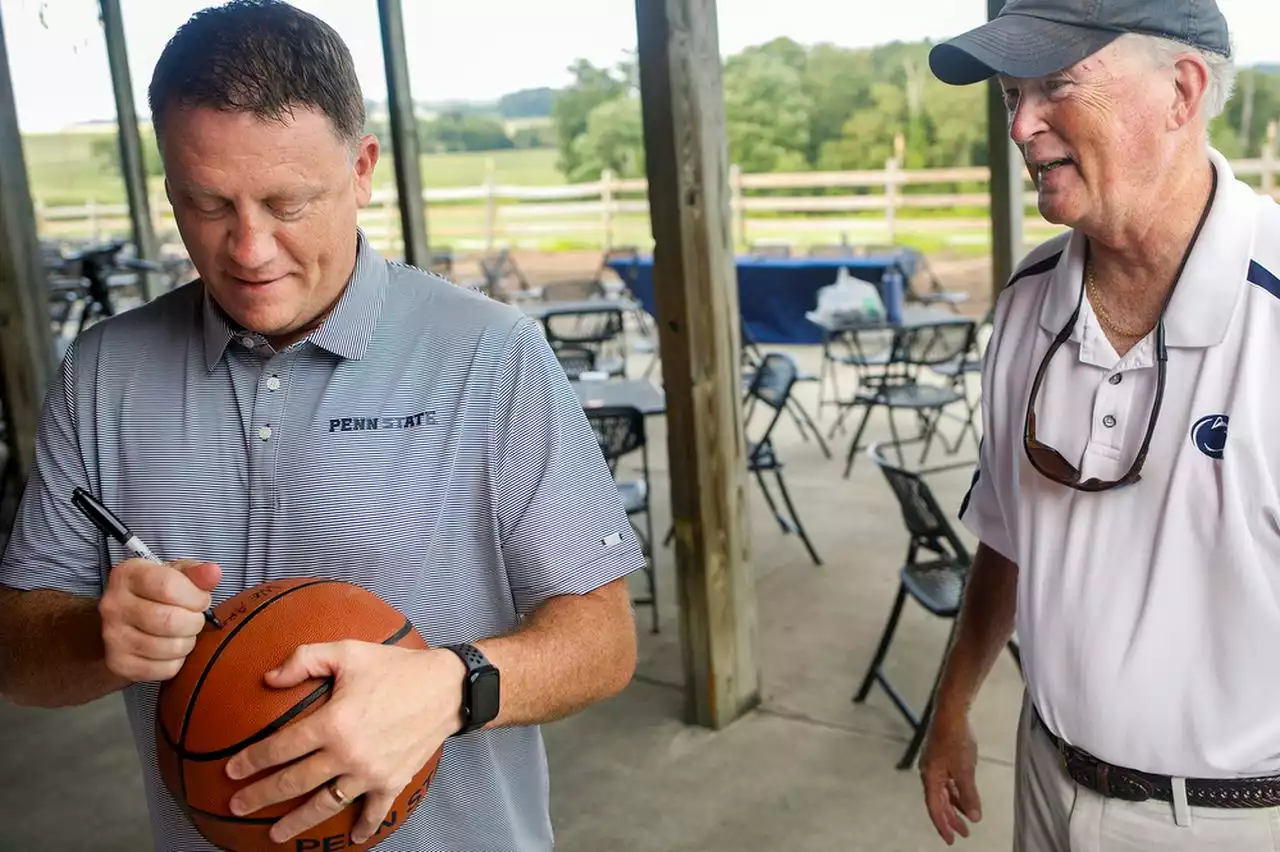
132,166
404,135
1007,174
695,284
26,346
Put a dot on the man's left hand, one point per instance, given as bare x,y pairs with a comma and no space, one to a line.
390,710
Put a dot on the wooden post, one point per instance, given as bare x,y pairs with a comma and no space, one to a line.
1269,161
1006,186
132,165
891,198
490,204
695,284
736,205
26,345
404,135
606,199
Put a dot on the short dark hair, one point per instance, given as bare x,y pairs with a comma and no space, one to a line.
265,57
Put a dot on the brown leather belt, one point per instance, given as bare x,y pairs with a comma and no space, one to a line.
1117,782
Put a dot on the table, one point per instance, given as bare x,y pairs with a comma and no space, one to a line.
541,310
912,317
774,293
637,393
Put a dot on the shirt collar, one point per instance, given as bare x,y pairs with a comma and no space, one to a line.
1205,298
346,332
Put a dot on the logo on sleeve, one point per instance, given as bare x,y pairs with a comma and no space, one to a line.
1210,435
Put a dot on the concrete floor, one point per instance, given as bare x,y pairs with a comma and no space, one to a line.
808,771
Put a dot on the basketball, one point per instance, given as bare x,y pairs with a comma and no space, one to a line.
219,703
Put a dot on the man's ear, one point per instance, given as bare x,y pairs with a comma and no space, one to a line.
366,158
1190,85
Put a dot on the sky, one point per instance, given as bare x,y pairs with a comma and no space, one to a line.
481,49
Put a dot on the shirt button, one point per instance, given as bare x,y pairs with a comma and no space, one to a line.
247,342
1117,379
264,433
273,383
1107,421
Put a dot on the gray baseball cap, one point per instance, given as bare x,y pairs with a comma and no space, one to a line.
1032,38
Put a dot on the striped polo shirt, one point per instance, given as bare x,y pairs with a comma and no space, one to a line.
423,443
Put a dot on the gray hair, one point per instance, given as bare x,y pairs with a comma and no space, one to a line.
1222,71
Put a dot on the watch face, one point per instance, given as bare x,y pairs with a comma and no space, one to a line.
484,695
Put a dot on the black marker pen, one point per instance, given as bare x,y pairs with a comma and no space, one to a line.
105,520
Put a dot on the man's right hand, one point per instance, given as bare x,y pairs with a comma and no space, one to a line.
947,770
152,614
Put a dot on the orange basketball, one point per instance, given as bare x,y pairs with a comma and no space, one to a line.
219,703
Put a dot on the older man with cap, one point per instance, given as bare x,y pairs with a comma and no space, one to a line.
1127,496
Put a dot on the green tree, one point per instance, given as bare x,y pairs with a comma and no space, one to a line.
838,82
866,140
574,104
614,139
766,113
527,103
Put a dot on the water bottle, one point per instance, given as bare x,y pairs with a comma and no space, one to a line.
891,287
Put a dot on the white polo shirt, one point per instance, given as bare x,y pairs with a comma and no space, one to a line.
1149,616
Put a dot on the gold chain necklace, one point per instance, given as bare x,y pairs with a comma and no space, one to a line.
1095,299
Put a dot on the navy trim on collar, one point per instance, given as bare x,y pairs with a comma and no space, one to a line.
1264,278
1046,265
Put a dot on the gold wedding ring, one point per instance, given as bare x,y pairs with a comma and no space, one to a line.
342,800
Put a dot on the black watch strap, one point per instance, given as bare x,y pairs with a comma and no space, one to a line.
480,688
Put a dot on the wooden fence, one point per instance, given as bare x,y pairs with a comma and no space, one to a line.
866,206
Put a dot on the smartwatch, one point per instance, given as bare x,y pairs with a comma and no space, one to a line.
479,688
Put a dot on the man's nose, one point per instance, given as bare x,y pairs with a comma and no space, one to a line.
251,243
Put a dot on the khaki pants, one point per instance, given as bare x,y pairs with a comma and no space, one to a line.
1054,814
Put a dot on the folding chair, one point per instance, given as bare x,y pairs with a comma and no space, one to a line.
752,356
934,573
957,373
576,360
935,294
915,346
621,431
596,329
771,386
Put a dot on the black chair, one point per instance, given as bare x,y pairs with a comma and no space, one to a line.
914,347
752,356
933,574
957,373
771,386
576,360
597,329
621,431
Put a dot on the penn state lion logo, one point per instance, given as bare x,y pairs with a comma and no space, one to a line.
1210,435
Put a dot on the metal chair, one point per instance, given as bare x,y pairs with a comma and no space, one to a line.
752,356
597,329
576,360
933,574
914,347
957,373
621,431
771,386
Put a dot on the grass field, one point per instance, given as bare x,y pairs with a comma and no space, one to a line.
64,170
73,169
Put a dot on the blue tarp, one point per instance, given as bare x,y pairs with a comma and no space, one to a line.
773,293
